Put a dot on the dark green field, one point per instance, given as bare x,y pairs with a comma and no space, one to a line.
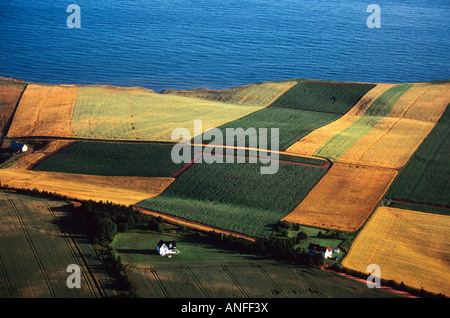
425,179
335,98
113,159
293,124
236,197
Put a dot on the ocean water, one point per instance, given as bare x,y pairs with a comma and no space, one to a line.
161,44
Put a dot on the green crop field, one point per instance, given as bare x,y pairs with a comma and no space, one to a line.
236,197
37,243
113,159
335,98
425,178
293,124
379,109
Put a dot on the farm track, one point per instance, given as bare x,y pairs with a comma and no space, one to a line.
308,281
33,248
77,254
277,288
235,281
160,284
5,277
197,282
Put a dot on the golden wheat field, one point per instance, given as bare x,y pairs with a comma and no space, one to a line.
409,246
311,143
45,110
9,95
137,114
395,138
119,190
262,94
344,198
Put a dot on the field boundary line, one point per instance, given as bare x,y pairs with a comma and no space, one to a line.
33,248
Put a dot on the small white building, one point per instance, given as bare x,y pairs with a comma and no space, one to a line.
18,146
166,248
315,248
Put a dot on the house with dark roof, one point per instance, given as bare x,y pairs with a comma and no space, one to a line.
18,146
166,247
315,248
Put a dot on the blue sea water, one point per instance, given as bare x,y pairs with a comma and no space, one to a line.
161,44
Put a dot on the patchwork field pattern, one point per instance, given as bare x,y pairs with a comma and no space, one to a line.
261,94
311,143
345,139
292,123
425,178
395,138
401,115
236,197
408,246
344,198
44,110
139,114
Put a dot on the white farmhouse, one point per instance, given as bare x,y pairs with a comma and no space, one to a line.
166,248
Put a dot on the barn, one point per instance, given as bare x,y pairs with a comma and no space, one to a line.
315,248
166,247
18,146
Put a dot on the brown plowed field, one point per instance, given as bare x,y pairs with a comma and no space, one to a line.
344,198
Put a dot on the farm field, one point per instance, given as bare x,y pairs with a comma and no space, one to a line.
236,197
400,114
10,92
203,270
37,244
138,114
425,178
337,98
261,94
113,159
310,144
410,121
45,110
344,198
380,108
408,246
293,124
120,190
